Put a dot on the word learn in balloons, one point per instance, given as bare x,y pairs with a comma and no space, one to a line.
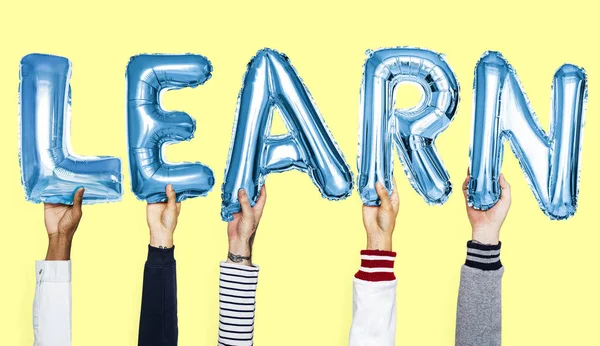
51,171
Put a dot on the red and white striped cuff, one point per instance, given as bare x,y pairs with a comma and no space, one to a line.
376,265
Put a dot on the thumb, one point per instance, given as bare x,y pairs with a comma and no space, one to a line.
383,196
465,186
171,198
78,200
505,188
244,203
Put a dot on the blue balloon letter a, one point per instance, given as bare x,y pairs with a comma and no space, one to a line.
50,171
150,128
271,82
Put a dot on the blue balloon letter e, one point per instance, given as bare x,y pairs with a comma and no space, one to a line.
150,128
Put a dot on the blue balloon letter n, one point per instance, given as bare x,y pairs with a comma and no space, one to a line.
552,162
150,128
50,171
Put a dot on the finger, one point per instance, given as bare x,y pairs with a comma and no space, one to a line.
262,199
244,202
465,185
78,200
395,198
505,188
178,205
171,198
383,196
504,183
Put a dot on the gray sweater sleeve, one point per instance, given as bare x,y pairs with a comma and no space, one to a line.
479,311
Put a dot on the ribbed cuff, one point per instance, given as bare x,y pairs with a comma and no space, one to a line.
53,271
158,256
484,257
376,266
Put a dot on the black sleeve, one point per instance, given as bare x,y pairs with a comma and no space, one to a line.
158,319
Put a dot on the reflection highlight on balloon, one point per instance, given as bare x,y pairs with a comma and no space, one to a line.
50,170
412,130
150,128
551,162
270,82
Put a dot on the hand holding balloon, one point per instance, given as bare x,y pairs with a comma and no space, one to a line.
242,229
162,219
380,221
61,222
486,224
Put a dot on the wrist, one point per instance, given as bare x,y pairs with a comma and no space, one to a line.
58,237
239,252
382,242
240,247
239,259
485,236
161,240
59,247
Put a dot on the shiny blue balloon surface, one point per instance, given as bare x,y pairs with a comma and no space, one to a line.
270,82
50,171
413,130
150,128
551,162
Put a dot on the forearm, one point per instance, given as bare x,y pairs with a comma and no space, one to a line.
158,317
374,306
479,310
237,303
52,304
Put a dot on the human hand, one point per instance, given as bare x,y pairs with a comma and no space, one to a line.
242,230
61,222
380,221
486,224
162,219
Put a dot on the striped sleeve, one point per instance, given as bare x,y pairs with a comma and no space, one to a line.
484,257
376,265
237,298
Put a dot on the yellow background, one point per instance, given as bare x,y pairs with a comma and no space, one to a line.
307,247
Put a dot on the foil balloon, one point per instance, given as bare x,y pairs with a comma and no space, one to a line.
270,82
150,128
413,130
551,162
50,170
